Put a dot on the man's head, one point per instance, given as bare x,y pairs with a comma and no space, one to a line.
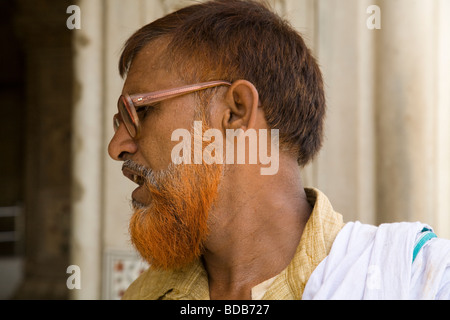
233,40
275,83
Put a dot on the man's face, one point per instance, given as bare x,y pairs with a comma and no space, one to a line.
153,149
171,204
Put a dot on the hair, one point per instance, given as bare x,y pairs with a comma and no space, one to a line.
243,39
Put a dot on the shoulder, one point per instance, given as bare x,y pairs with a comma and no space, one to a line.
150,285
390,236
376,262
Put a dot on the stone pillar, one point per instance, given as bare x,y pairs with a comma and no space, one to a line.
412,116
87,147
442,119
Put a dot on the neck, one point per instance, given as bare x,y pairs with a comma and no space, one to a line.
254,231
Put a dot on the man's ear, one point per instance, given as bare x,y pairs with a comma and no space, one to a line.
242,102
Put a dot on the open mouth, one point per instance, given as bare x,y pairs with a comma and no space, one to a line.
133,176
138,174
138,179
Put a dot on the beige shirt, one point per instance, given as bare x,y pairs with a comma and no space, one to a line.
191,283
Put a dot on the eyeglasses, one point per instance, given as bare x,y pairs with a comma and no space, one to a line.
129,104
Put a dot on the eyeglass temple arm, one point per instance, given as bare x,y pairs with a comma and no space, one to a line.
147,98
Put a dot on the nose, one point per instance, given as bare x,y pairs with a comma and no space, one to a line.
121,144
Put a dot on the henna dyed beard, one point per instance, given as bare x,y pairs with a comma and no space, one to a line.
171,232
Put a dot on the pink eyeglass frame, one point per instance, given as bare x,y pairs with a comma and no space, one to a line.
128,104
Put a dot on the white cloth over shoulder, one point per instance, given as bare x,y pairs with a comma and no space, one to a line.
368,262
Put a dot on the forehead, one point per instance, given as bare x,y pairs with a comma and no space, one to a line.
149,70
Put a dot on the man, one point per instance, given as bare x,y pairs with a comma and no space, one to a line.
211,224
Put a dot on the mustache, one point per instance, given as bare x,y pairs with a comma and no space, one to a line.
140,170
136,167
153,178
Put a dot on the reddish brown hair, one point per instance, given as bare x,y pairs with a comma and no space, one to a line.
243,39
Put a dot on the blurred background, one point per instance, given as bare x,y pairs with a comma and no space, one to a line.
64,202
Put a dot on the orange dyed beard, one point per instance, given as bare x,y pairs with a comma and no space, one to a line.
172,231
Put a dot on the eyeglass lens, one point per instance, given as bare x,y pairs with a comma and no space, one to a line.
116,122
127,117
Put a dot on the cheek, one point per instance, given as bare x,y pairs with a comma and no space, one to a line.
155,144
153,149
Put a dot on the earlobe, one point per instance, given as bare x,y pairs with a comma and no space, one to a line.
242,100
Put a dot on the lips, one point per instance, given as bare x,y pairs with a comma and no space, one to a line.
140,194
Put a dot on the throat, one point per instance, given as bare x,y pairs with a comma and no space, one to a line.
219,291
